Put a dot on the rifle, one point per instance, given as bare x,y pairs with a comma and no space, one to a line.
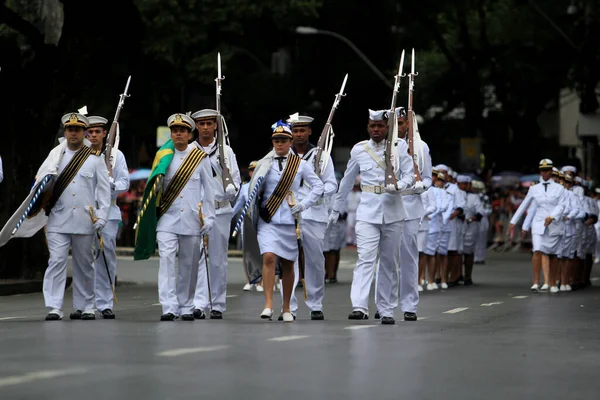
392,134
221,134
301,260
410,115
326,139
112,140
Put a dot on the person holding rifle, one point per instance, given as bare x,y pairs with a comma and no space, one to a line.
206,121
380,215
119,183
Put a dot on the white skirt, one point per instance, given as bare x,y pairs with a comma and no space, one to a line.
546,244
279,239
422,240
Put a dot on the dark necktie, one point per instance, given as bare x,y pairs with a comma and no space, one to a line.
280,161
546,186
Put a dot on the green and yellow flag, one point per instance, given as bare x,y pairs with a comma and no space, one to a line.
145,234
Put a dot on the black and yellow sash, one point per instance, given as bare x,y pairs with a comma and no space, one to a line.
67,175
180,179
282,188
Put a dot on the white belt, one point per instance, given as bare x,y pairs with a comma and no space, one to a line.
377,189
221,204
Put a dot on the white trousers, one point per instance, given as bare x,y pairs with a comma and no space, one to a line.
104,295
374,239
218,245
351,228
313,235
83,271
409,267
176,288
481,245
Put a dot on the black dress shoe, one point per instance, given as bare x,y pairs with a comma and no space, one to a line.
108,314
358,315
388,321
438,280
88,316
216,314
75,315
280,318
468,282
187,317
333,280
317,316
199,314
53,317
167,317
377,316
410,316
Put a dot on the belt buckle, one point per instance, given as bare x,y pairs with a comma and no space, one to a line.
378,189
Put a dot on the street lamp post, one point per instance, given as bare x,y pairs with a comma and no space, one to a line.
306,30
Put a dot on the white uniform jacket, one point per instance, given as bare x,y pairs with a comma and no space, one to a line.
549,200
222,202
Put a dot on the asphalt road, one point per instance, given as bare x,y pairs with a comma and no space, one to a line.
493,340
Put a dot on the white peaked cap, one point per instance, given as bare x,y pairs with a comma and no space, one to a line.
74,119
299,120
95,120
569,168
463,179
441,167
377,115
181,119
205,113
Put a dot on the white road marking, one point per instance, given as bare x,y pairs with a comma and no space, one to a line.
491,304
231,295
8,318
357,327
40,375
287,338
594,278
456,310
520,297
190,350
156,304
420,318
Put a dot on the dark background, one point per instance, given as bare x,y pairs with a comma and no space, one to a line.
499,63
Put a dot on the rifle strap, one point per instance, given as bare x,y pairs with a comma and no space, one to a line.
67,175
374,156
283,186
180,179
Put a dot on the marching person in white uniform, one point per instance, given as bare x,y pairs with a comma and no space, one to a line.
415,211
484,226
314,220
119,183
179,231
282,172
82,183
473,214
432,204
546,226
380,217
218,243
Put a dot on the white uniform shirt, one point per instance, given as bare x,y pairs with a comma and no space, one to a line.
242,198
283,215
376,208
549,200
443,209
474,206
429,207
318,212
89,188
217,181
121,175
183,216
413,203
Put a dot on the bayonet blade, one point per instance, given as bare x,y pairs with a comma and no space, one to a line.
343,85
401,64
127,86
219,65
412,62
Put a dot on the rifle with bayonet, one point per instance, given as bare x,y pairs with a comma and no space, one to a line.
112,140
392,134
326,139
410,116
221,134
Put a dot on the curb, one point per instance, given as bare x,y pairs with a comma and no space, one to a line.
24,287
128,252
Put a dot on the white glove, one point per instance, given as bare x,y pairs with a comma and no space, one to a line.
418,187
333,218
230,190
391,189
205,229
298,208
99,224
112,183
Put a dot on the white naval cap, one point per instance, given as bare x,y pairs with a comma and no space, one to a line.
400,112
206,113
454,174
377,115
441,176
281,130
546,163
569,168
75,119
555,170
95,121
441,167
181,120
299,120
463,179
578,180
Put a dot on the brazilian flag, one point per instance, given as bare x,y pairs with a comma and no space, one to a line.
145,234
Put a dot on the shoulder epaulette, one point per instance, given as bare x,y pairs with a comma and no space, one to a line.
97,152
